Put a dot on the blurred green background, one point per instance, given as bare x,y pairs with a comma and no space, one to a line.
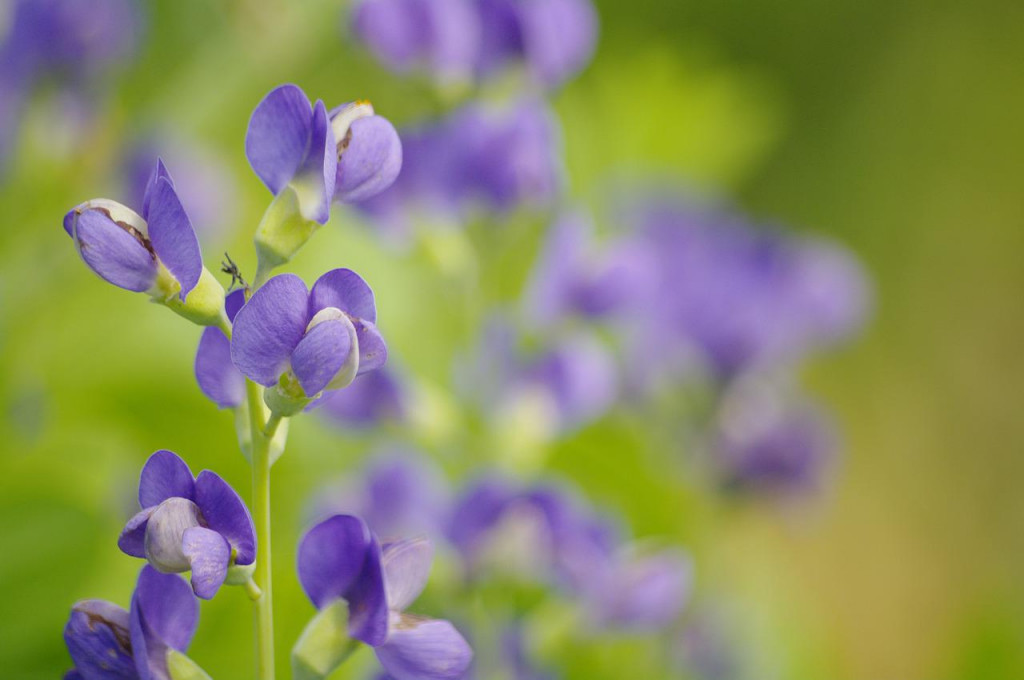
893,126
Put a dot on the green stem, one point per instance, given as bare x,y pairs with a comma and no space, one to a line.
261,436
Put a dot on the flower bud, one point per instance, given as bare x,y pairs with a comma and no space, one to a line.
167,526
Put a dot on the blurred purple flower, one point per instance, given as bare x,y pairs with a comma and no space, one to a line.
341,558
765,443
440,36
218,378
572,277
398,493
130,249
197,524
499,159
107,642
318,339
745,297
555,39
73,42
371,400
455,39
640,593
205,184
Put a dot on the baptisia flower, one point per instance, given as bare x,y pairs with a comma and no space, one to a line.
341,559
155,251
197,524
301,342
108,643
307,157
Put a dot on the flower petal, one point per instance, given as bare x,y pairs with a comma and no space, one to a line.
371,161
160,171
315,179
113,252
132,540
406,570
345,290
98,640
164,532
164,613
208,555
165,475
321,354
226,513
331,557
220,381
367,601
373,351
429,649
173,237
268,328
233,302
278,136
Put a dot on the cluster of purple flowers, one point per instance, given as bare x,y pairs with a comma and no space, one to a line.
459,40
542,533
70,42
490,159
703,299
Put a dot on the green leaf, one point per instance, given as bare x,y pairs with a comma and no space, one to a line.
183,668
324,644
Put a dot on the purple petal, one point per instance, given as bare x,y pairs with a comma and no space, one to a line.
233,302
164,532
116,254
278,136
164,476
331,556
367,600
344,290
406,571
373,352
321,354
220,381
371,161
164,614
269,327
646,594
98,639
315,179
133,537
479,510
208,554
559,37
226,513
369,400
428,649
160,171
173,237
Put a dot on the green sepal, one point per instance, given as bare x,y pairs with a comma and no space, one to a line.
286,398
282,231
324,645
181,667
239,574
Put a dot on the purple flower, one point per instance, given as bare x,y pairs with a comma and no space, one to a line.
744,297
442,36
341,558
307,341
572,278
349,154
767,444
497,158
372,399
219,380
197,524
156,251
554,38
399,493
108,643
642,593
